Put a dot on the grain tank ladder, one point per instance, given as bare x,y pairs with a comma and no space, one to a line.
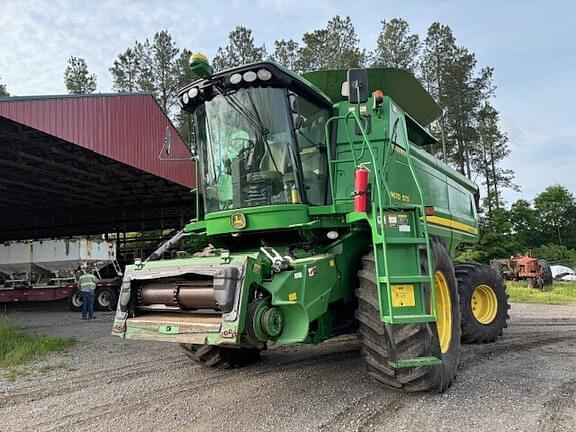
406,292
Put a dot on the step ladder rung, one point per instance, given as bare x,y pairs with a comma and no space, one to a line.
410,319
406,240
405,279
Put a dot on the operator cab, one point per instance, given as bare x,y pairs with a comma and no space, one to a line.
260,132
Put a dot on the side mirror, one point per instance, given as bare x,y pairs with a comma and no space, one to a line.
167,141
357,80
293,98
194,151
298,121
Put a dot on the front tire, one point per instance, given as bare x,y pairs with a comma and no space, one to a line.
483,303
412,340
222,358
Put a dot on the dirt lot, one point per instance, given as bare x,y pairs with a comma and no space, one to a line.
525,382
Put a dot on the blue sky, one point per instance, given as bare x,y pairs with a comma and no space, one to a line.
531,45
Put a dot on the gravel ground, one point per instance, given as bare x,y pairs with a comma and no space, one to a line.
524,382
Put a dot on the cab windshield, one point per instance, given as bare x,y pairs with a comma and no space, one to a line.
249,154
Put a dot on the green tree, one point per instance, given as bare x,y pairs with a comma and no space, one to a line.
126,71
450,74
240,50
77,78
334,47
525,225
494,148
165,69
286,53
437,54
556,254
3,91
556,209
150,67
496,236
462,100
396,46
143,52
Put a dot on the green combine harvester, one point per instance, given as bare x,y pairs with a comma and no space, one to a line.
324,215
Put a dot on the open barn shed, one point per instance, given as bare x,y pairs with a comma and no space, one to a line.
81,165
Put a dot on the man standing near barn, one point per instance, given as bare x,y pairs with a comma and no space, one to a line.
87,285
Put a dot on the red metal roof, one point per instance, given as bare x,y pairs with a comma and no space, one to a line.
128,128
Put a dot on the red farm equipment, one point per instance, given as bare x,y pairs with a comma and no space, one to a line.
524,267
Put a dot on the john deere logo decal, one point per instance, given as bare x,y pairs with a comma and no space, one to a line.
238,220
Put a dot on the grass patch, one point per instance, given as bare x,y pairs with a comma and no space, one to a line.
559,293
18,347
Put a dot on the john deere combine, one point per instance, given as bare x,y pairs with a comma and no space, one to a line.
325,215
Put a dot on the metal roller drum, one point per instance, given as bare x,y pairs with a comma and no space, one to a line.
158,293
185,294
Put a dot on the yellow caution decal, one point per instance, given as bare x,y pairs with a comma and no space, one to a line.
403,296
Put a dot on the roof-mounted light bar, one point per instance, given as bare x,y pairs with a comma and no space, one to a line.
261,74
236,79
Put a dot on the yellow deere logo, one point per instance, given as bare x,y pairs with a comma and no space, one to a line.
238,220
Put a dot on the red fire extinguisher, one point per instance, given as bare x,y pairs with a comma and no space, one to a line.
361,189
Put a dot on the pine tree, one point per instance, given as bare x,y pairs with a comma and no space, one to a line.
77,78
494,149
143,51
286,53
449,72
461,101
438,51
335,47
126,71
240,50
396,46
165,69
150,67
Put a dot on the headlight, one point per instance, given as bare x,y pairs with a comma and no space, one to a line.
249,76
235,78
185,99
193,92
264,74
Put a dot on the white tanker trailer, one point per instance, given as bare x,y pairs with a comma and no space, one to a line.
47,270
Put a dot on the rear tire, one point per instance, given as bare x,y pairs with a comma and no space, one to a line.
222,358
105,299
483,303
412,340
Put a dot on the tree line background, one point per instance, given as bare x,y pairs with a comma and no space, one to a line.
470,138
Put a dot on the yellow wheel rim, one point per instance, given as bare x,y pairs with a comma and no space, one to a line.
484,304
443,311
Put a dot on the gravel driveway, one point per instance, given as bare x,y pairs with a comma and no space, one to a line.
525,382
